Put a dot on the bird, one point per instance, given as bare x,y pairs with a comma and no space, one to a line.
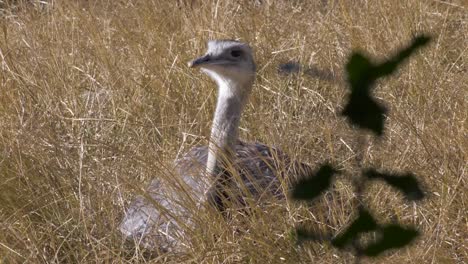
226,170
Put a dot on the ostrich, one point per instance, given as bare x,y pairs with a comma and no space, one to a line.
206,172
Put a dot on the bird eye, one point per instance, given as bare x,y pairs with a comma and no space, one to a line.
236,53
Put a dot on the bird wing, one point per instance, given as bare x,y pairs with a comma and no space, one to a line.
151,218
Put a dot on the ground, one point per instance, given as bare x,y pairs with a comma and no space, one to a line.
96,99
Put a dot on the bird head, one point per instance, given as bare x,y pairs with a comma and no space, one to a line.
227,61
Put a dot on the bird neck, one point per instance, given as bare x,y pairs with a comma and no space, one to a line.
232,97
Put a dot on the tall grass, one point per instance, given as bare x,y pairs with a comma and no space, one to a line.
96,100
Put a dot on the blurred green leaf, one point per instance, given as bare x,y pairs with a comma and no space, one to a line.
360,71
365,112
392,236
406,183
362,109
363,223
312,186
392,64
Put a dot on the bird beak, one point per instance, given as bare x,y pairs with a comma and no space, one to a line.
199,61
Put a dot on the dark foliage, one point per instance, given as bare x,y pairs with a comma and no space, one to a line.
364,223
391,237
362,109
406,183
314,185
366,113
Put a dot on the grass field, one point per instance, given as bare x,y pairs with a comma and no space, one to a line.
96,99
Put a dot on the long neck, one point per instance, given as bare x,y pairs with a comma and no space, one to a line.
232,97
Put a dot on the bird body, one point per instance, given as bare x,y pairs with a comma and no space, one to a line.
253,170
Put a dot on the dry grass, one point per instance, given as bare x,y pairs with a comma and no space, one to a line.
96,99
